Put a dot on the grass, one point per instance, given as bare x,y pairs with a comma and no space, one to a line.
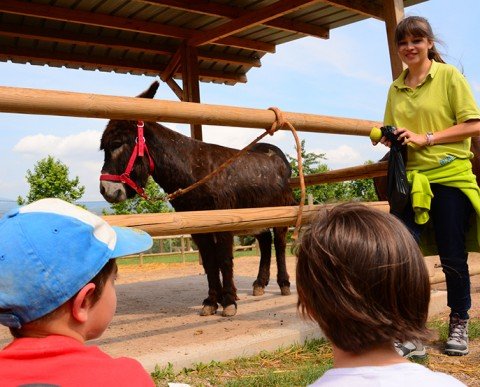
296,365
177,258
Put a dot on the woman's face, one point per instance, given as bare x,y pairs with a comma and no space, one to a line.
413,50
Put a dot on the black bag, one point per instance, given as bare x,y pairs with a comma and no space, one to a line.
398,190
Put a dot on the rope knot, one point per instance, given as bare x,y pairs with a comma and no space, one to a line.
279,122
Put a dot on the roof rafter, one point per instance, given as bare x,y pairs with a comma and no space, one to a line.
364,7
247,20
121,23
59,59
216,9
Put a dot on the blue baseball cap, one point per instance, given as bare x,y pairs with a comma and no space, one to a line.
49,250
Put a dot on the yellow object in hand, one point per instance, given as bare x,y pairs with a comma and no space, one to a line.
375,134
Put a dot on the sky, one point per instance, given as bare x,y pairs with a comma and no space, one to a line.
347,75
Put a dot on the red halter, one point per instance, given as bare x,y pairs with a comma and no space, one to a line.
138,151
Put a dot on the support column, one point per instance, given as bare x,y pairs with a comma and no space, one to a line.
393,11
191,88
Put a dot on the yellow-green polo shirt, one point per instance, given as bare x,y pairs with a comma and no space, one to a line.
442,100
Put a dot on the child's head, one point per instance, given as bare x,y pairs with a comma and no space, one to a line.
418,27
50,251
362,278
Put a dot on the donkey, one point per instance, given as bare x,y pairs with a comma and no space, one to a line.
259,178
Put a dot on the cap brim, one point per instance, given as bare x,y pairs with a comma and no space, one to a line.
130,241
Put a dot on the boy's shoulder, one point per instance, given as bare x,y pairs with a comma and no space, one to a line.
63,358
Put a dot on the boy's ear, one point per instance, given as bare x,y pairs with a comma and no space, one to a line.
82,303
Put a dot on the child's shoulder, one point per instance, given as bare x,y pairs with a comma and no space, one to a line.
397,375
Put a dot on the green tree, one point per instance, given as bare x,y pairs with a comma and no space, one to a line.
138,205
49,179
313,163
362,190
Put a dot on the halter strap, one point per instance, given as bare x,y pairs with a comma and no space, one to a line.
138,151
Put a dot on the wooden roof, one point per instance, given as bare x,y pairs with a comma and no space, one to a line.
146,36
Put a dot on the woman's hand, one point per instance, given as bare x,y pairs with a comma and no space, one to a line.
406,136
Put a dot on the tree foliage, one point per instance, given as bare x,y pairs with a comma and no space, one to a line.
49,179
138,205
362,190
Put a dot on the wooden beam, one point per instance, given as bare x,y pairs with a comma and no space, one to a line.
173,64
394,12
364,7
125,24
247,20
134,66
175,88
194,222
62,103
345,174
207,7
54,35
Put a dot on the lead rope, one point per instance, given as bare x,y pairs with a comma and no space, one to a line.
277,124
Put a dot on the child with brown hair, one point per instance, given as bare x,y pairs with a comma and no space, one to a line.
362,278
57,273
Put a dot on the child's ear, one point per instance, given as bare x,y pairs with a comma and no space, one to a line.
82,303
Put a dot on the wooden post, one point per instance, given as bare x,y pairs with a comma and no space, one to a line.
191,87
393,13
310,200
141,258
182,248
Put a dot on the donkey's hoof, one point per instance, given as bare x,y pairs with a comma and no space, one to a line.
258,290
285,290
229,311
208,310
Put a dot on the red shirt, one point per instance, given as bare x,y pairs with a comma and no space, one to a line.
63,361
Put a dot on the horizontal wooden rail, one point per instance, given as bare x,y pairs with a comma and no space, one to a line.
194,222
62,103
344,174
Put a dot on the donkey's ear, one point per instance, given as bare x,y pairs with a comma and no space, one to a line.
150,92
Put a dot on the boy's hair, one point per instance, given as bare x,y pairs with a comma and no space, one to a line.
49,250
362,278
99,281
418,26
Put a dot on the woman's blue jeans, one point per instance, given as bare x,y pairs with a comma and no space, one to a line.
450,212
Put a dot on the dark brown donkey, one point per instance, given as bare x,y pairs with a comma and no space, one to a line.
259,178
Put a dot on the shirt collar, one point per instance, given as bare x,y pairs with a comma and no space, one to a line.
399,83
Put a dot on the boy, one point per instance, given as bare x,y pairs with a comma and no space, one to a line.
57,273
362,278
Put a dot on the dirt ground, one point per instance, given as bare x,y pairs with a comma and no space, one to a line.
158,322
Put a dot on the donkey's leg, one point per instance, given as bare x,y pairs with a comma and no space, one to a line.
280,242
265,244
224,256
206,247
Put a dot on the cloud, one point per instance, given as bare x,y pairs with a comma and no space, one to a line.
346,55
343,155
476,86
69,147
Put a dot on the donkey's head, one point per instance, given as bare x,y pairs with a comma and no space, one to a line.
127,162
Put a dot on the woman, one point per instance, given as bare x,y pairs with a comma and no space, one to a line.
435,113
